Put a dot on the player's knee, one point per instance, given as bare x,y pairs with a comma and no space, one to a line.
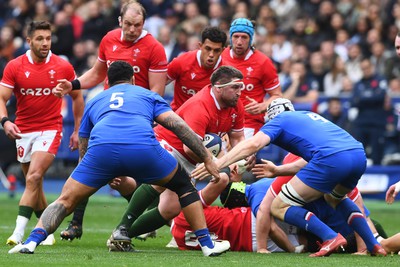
189,198
181,185
34,180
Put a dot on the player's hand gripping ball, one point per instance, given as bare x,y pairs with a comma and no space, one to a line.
213,143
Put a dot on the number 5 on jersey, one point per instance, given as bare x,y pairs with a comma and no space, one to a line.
116,100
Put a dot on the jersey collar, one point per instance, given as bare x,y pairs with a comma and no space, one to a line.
30,59
143,34
248,55
198,54
215,100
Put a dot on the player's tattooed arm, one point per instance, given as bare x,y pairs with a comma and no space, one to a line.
176,124
83,145
52,216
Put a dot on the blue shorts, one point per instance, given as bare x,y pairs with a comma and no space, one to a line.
344,168
102,163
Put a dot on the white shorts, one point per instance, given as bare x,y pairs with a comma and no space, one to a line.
46,141
185,164
290,231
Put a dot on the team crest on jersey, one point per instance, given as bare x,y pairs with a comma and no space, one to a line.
52,72
44,143
193,75
249,70
27,73
233,116
21,151
136,52
114,48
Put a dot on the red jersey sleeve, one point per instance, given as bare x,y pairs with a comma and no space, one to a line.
158,58
101,54
9,74
198,121
270,75
174,69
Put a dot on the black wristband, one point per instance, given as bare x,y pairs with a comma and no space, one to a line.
3,120
76,84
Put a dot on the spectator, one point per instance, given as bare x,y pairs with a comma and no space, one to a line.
333,80
342,44
328,54
96,25
216,13
166,39
347,86
181,44
300,52
303,87
282,48
41,11
63,35
193,17
353,67
336,113
286,12
394,88
369,97
75,19
379,57
317,69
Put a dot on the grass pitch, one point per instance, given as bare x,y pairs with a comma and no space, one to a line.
103,214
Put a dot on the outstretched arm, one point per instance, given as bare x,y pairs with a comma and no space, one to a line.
240,151
268,169
176,124
89,79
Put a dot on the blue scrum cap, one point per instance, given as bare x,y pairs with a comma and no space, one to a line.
242,25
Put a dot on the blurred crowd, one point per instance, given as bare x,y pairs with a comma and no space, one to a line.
332,56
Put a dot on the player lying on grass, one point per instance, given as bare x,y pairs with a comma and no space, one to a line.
238,224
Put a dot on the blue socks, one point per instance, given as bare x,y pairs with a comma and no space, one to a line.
37,235
306,220
355,219
203,236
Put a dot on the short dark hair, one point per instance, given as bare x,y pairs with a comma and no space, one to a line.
225,74
119,72
214,34
135,5
37,25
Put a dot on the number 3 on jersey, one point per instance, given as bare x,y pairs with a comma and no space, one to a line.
116,100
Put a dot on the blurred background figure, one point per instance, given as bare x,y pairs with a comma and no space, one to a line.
371,100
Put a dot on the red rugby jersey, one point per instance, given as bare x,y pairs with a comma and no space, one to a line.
32,83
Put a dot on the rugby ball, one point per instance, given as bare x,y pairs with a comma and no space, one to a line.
213,143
